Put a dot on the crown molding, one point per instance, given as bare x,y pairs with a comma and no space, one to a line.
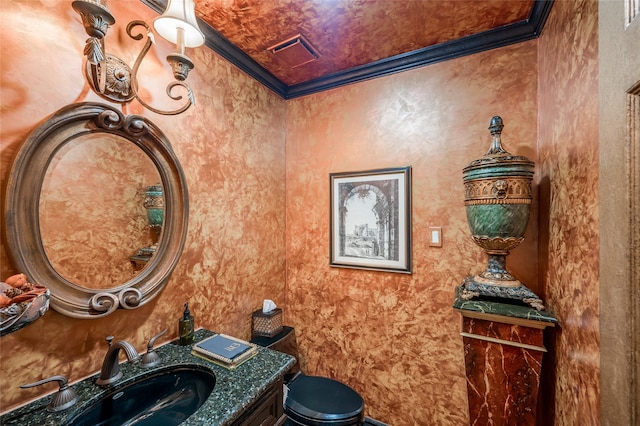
528,29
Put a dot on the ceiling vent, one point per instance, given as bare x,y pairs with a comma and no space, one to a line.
295,51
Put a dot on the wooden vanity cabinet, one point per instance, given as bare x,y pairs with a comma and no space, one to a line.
266,411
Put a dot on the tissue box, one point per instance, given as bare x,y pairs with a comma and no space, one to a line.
266,325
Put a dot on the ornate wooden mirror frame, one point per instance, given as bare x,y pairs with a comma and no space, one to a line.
22,209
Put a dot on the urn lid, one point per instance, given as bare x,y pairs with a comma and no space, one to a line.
497,162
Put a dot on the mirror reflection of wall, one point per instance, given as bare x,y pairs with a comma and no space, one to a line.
92,213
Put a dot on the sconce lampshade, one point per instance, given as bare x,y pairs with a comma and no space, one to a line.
179,14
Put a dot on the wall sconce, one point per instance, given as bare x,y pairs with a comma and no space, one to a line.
111,78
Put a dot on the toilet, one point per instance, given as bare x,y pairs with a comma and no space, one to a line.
314,400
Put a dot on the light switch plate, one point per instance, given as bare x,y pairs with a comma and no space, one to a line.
435,236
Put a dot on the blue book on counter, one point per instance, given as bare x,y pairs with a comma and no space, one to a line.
225,348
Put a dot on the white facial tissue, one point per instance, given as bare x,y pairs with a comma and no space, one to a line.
267,306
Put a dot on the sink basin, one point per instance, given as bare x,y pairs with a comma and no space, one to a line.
165,398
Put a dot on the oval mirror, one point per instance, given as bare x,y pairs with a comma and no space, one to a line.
47,191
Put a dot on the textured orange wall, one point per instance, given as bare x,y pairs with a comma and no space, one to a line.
395,337
569,242
231,147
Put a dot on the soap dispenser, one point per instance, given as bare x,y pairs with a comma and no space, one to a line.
185,327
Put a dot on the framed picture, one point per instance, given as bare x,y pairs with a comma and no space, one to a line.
371,220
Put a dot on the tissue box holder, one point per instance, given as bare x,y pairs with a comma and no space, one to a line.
266,325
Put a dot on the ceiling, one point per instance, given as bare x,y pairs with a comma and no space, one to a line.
346,41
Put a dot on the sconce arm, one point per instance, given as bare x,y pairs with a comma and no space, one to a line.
170,86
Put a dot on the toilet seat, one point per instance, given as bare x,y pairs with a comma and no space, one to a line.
319,401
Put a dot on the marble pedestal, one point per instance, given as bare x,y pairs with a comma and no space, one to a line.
503,353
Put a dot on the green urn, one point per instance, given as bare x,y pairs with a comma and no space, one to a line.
497,197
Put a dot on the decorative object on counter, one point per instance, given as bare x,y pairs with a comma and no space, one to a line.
503,351
497,196
22,208
65,397
370,220
186,326
227,351
151,358
21,303
266,322
111,78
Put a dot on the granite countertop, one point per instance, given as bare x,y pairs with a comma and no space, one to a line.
234,391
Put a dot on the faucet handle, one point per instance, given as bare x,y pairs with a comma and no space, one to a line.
61,400
152,341
151,358
109,340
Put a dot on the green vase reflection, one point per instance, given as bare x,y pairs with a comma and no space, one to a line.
154,203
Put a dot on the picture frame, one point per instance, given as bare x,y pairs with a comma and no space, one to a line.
370,220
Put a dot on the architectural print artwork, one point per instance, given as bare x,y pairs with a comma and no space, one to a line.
371,219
